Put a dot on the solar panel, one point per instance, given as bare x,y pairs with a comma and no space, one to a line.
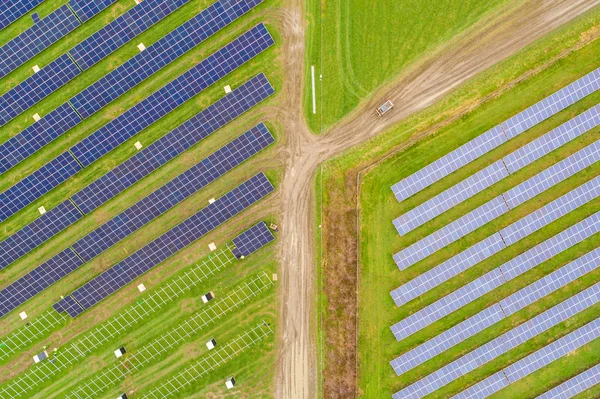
37,184
450,233
86,9
175,191
38,280
448,269
497,171
502,344
37,232
37,87
121,30
252,240
69,305
172,241
448,304
14,10
496,136
492,384
173,94
36,39
171,46
33,138
174,143
575,385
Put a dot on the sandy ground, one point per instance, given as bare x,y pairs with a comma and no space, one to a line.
296,374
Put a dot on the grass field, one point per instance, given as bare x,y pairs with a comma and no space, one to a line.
254,367
357,46
378,239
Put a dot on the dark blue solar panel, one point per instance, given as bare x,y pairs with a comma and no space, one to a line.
36,39
86,9
174,143
37,87
252,240
175,191
36,136
175,93
69,305
38,280
173,241
13,10
121,30
159,54
37,184
37,232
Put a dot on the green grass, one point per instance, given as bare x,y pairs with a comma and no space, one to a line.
358,46
378,238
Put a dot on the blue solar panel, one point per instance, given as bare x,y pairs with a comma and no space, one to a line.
496,136
37,87
175,93
69,305
13,10
86,9
575,385
38,280
121,30
37,184
37,232
251,240
175,191
172,241
174,143
36,136
36,39
159,54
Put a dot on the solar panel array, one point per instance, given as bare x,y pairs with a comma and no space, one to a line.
497,135
495,243
37,87
175,191
36,136
499,170
86,9
140,116
502,344
575,385
174,143
37,232
252,240
535,361
505,307
13,10
128,75
173,94
155,155
37,184
37,38
38,280
171,46
171,242
121,30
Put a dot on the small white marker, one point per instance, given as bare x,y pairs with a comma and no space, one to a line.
211,344
227,89
138,1
35,68
36,117
142,287
141,47
41,210
212,246
274,276
210,201
23,315
138,145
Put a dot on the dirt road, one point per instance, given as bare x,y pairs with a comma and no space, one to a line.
296,376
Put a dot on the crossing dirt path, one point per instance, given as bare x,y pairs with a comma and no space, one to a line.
296,374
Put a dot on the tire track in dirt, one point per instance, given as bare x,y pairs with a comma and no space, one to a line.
303,152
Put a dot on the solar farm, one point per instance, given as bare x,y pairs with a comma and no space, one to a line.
138,236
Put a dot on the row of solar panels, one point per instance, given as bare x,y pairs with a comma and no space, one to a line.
45,32
140,116
83,56
498,135
11,10
150,158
